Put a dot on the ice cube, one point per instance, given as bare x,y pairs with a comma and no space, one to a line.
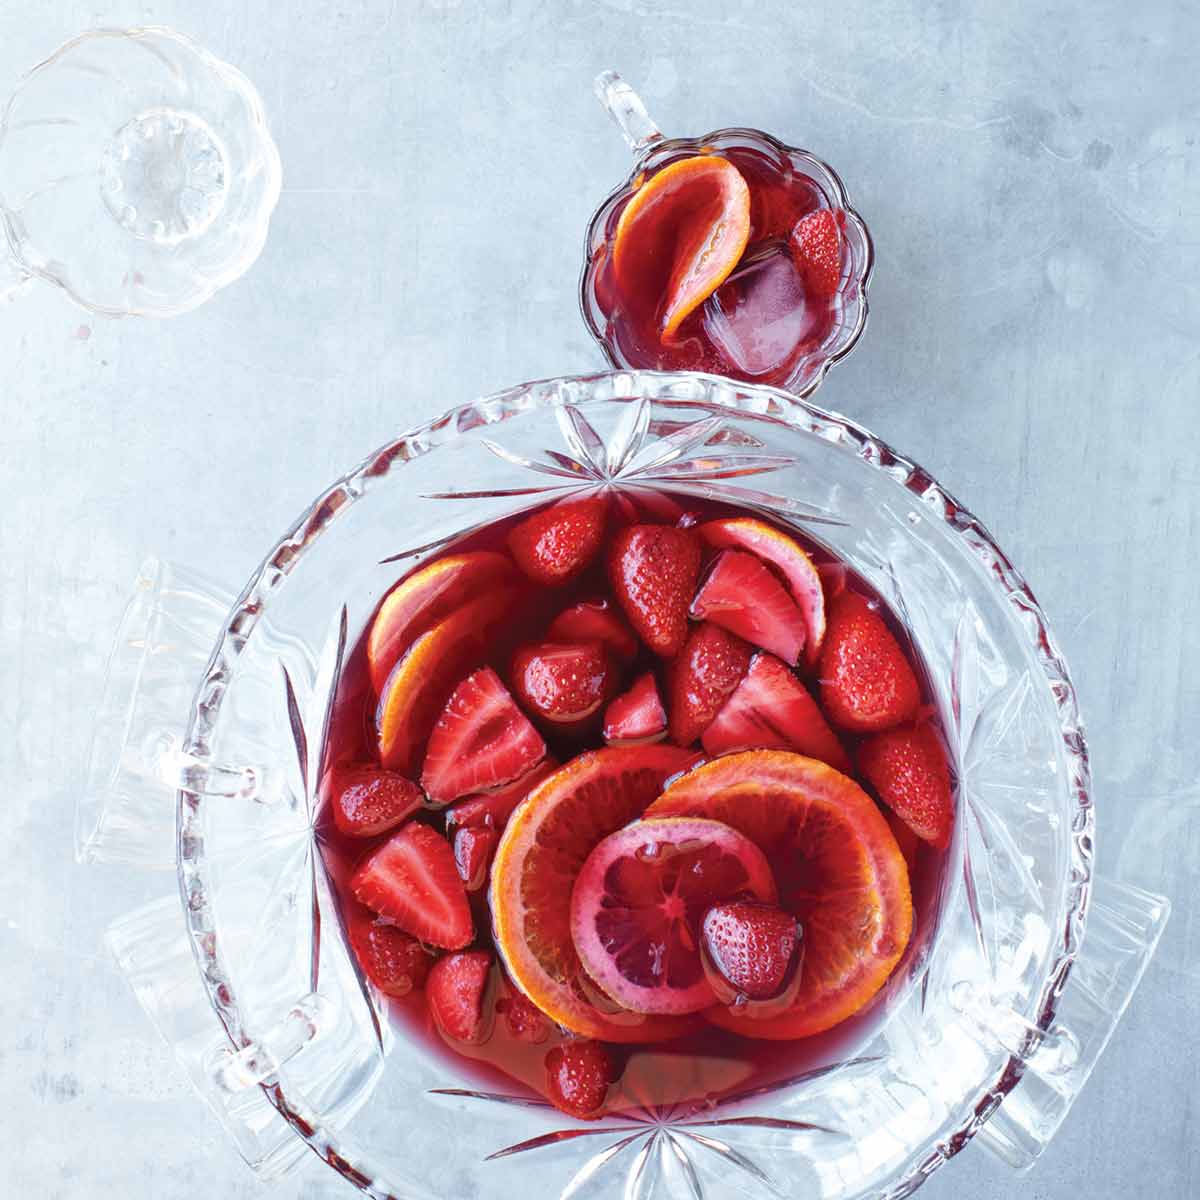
759,316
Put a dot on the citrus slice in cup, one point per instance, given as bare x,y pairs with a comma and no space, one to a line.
639,902
680,236
838,869
545,844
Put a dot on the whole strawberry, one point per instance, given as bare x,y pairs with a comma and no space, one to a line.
555,544
577,1078
653,570
907,768
816,245
751,947
866,682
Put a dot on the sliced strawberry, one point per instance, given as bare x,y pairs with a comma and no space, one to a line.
653,570
907,769
412,880
492,810
577,1078
473,851
456,991
555,544
368,801
772,710
816,245
741,594
526,1022
866,682
563,683
702,679
392,960
481,740
636,715
595,621
751,947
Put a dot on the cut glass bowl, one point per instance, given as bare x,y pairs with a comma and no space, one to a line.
209,751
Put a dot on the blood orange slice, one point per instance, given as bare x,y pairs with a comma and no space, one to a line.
639,902
681,235
419,685
545,844
838,868
424,598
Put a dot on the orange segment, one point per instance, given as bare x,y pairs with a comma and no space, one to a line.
838,868
545,844
681,235
419,685
425,597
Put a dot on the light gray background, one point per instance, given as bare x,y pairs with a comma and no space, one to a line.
1031,174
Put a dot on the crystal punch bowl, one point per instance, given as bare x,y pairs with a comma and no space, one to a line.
208,754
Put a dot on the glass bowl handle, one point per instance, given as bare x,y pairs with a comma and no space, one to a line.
628,112
138,762
1123,928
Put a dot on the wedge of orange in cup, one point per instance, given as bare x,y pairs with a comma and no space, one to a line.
681,234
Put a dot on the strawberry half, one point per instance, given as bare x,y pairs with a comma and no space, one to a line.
482,740
703,677
866,682
456,991
772,710
392,960
653,570
473,851
595,621
816,246
741,594
368,801
636,715
908,771
563,683
555,544
577,1078
412,880
751,947
492,810
526,1022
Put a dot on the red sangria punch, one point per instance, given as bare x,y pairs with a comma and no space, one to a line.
737,256
634,805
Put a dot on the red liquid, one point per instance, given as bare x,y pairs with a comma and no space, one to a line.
762,325
693,1072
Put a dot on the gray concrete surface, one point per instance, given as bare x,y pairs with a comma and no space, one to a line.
1031,172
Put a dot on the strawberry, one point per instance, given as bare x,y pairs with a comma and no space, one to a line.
595,621
907,769
492,810
455,992
555,544
564,683
772,710
526,1022
702,679
816,245
866,682
742,594
636,715
751,947
577,1078
473,850
653,570
481,740
368,800
394,962
412,880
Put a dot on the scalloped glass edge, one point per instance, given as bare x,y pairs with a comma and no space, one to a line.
830,182
684,388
